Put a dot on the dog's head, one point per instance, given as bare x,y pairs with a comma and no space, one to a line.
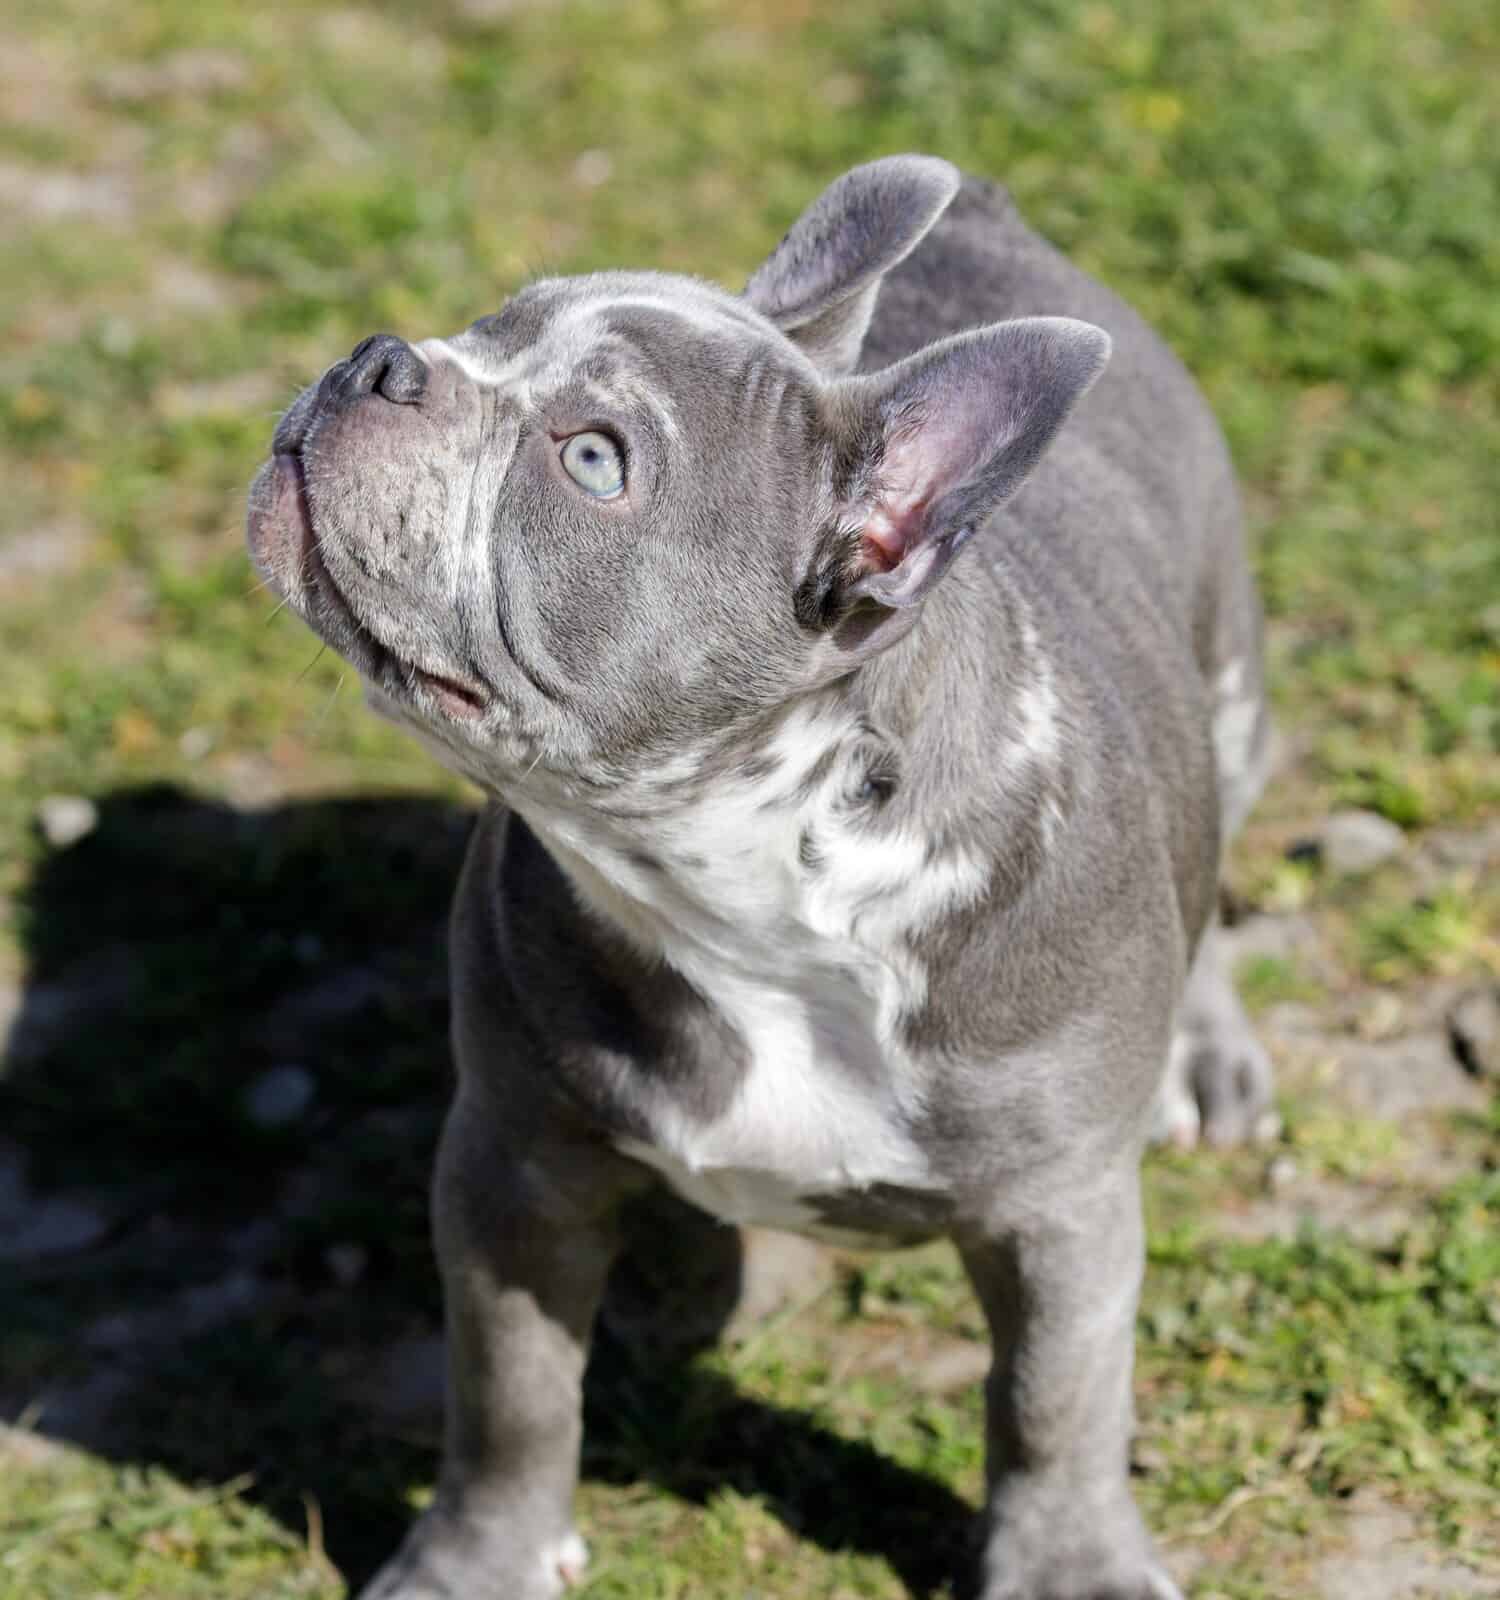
632,511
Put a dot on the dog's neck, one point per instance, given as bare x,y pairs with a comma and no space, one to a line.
834,834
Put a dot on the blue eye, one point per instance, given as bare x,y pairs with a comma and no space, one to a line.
593,461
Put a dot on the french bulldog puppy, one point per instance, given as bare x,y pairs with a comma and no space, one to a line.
866,674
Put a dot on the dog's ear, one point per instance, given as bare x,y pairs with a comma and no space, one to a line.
819,284
924,451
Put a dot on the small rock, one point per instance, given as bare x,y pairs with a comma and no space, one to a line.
46,195
1474,1031
208,1305
196,743
44,550
280,1096
1396,1078
66,818
1281,1173
1359,841
51,1227
593,168
195,1310
347,1263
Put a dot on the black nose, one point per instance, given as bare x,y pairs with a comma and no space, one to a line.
386,365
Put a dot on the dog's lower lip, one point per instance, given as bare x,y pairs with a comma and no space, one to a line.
289,464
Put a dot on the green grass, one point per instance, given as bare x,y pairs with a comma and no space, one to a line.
76,1527
1306,199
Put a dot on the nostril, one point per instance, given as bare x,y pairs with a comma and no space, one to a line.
404,378
386,365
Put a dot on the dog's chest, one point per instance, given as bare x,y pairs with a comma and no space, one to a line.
824,1104
777,894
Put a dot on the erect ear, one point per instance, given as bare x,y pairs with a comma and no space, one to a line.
928,448
819,284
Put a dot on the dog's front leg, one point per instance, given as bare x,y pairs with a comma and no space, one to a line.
525,1246
1059,1283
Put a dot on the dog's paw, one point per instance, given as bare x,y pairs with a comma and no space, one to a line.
1177,1119
1218,1080
1039,1545
1152,1582
1217,1091
1231,1083
444,1560
1152,1585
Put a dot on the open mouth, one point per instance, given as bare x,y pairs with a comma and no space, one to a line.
459,697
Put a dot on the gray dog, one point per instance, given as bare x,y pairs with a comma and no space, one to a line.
842,878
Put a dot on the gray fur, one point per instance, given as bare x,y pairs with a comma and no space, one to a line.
861,776
820,284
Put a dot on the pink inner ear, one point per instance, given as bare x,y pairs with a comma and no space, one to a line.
890,531
909,481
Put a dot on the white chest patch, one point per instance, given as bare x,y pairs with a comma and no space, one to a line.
781,899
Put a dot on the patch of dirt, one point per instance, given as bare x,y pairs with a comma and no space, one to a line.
42,194
1476,848
1294,938
932,1361
48,550
1374,1213
37,88
184,74
1393,1077
1386,1555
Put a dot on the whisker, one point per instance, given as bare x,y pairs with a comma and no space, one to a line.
323,717
304,573
311,664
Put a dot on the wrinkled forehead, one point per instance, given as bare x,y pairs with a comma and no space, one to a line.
621,338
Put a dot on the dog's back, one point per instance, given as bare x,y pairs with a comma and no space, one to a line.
1134,510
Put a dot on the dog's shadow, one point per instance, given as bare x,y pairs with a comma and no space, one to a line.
220,1095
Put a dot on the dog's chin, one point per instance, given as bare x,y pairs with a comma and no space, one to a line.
284,546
